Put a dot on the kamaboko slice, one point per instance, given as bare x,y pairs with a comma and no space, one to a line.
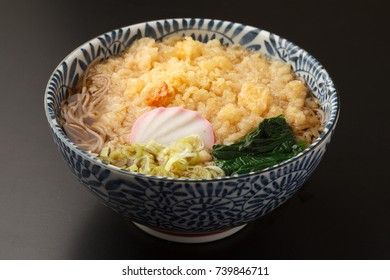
168,125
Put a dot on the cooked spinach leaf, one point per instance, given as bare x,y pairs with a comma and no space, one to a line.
270,143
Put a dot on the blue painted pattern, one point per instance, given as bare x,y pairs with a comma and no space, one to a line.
188,205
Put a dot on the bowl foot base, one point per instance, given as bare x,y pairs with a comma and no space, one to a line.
189,238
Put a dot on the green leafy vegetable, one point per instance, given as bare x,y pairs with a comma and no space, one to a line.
270,143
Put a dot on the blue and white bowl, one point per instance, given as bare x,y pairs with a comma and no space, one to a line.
191,210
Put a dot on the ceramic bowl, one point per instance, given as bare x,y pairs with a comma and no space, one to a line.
189,210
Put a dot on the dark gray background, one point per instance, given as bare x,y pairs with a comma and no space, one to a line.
341,213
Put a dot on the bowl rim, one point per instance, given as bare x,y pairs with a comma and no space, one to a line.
56,129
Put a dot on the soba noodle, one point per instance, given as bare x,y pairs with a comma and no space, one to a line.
235,89
79,115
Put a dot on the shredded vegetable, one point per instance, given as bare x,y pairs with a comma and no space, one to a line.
186,158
